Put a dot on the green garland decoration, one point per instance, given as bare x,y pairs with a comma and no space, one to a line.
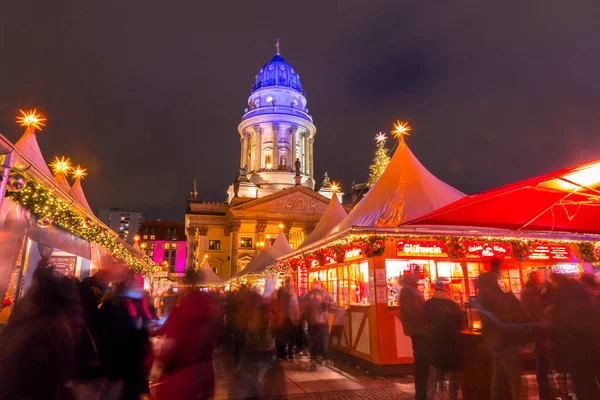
520,249
586,249
42,203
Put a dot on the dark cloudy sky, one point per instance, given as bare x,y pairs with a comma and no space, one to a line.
147,94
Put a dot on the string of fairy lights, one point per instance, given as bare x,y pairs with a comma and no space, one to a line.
49,209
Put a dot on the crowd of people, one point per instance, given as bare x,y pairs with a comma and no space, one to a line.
560,317
101,338
299,324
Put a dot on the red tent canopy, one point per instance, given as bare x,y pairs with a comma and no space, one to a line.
567,200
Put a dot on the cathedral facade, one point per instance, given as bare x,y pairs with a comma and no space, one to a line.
275,188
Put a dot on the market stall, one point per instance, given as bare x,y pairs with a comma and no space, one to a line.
361,260
41,215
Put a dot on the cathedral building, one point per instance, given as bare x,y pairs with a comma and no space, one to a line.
275,188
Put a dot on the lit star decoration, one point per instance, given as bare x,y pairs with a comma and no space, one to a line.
401,129
79,173
334,187
31,118
61,165
380,137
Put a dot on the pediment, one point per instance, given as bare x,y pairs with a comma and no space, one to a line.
298,199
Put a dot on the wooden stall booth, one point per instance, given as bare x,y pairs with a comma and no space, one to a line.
363,272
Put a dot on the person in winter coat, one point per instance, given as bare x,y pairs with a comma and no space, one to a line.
443,323
185,358
317,312
411,302
533,305
288,318
124,317
507,360
37,346
575,315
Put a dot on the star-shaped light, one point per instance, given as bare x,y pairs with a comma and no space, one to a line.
380,137
401,129
334,187
61,165
31,118
79,173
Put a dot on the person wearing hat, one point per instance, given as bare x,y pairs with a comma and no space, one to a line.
443,323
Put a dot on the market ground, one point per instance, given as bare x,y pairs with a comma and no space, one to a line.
261,378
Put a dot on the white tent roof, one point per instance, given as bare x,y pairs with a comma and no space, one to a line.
205,275
406,190
268,256
333,215
61,180
77,193
28,145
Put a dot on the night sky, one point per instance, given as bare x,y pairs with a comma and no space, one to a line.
148,94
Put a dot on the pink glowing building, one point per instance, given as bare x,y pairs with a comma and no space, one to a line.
165,243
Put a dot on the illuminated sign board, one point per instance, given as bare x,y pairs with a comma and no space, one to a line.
550,252
419,248
353,253
566,269
487,250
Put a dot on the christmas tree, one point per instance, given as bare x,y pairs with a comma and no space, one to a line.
381,160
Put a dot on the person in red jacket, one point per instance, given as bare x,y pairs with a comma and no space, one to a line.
185,359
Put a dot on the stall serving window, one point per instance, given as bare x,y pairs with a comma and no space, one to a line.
348,284
396,269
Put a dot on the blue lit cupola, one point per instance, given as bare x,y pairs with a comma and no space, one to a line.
277,73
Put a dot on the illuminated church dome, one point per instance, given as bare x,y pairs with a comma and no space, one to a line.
277,73
276,132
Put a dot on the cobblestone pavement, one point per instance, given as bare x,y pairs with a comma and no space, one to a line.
261,378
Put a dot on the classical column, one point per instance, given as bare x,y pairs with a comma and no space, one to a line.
191,247
234,228
244,146
293,155
242,150
311,157
305,152
287,227
275,160
261,226
258,147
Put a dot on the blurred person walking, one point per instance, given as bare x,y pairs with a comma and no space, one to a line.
124,317
317,312
533,305
575,315
90,382
288,320
37,346
184,361
444,321
411,315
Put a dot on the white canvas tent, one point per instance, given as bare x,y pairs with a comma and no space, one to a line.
268,256
77,193
406,190
333,215
30,148
205,276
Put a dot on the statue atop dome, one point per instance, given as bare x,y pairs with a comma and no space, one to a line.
277,50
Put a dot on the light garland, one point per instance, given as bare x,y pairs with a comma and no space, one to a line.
43,203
